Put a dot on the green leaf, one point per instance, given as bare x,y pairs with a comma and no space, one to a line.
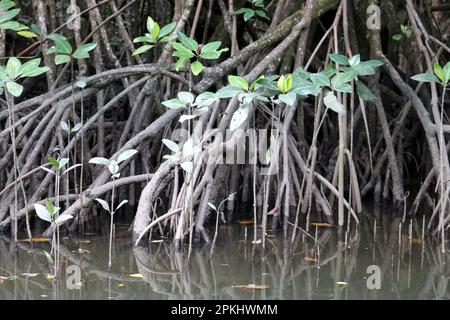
167,29
189,43
447,72
82,51
343,78
142,39
8,15
29,66
288,98
238,82
196,67
126,155
155,32
61,58
363,69
320,79
239,117
332,103
306,88
181,63
397,37
6,4
53,161
121,204
284,84
356,59
249,14
211,55
181,51
187,166
50,207
228,92
262,14
211,47
103,203
62,162
142,49
439,72
174,104
13,67
186,97
33,73
364,92
63,218
27,34
14,88
425,77
63,46
42,212
100,160
339,59
171,145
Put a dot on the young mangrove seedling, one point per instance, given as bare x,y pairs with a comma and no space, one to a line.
49,213
155,35
257,9
219,213
188,49
113,167
442,76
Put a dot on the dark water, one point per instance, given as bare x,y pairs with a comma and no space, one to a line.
326,266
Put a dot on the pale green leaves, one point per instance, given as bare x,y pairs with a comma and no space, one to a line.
238,82
256,10
154,35
113,165
239,117
185,99
7,22
106,207
405,31
15,70
49,213
188,49
63,50
284,83
333,103
441,75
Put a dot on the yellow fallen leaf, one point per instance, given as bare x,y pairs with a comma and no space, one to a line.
251,286
321,225
245,222
156,241
136,275
50,277
36,240
120,285
85,241
311,260
342,283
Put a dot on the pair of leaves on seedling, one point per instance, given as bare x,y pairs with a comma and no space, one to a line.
190,147
66,127
258,10
155,35
113,165
58,164
7,22
441,75
188,49
63,50
49,213
15,70
405,31
186,99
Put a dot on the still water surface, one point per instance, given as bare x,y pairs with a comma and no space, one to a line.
323,265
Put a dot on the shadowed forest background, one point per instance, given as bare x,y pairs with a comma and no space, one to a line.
351,94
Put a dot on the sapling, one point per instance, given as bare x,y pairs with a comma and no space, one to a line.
9,78
113,167
219,213
49,213
442,76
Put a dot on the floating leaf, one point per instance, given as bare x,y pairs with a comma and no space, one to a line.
311,260
251,286
321,225
35,240
136,275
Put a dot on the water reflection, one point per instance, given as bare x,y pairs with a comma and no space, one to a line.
325,264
